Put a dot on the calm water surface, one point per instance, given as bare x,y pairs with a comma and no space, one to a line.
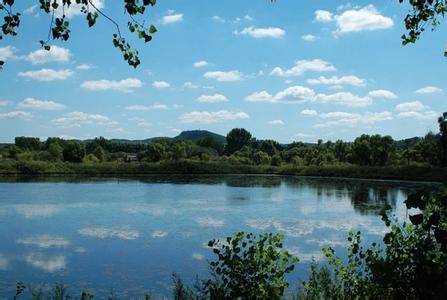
131,234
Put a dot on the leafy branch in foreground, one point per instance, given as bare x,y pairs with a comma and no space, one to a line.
423,14
59,28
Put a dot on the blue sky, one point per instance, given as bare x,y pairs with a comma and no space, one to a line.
291,70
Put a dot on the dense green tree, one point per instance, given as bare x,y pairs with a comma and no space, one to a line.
55,151
100,153
261,158
156,151
74,152
213,143
27,143
236,139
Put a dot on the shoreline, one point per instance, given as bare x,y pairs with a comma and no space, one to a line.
422,174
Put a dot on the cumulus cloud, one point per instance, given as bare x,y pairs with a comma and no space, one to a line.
31,103
344,98
44,241
125,85
48,264
429,90
16,115
84,67
345,119
104,233
30,10
277,122
172,18
323,16
198,256
4,103
55,54
300,94
259,33
75,9
200,64
47,74
415,110
8,52
216,98
190,85
147,107
303,66
335,80
224,75
383,94
4,263
77,119
210,222
367,18
309,112
206,117
161,84
309,38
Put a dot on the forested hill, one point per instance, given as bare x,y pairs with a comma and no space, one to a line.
196,135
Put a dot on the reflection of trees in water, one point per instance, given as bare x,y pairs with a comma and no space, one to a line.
367,197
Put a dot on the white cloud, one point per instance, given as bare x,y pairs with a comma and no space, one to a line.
77,119
161,84
172,18
410,106
210,222
55,54
200,64
415,110
295,94
301,94
224,75
30,10
84,67
48,264
144,124
429,90
148,107
309,112
216,98
125,85
345,119
31,103
302,66
8,52
384,94
218,19
16,115
190,85
44,241
47,74
323,16
303,135
309,38
104,232
4,103
205,117
259,33
276,122
198,256
344,98
75,9
262,96
335,80
367,18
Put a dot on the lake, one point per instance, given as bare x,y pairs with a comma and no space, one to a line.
131,234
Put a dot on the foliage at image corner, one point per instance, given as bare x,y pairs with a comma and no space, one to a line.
411,263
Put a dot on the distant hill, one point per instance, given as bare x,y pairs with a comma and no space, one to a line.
195,135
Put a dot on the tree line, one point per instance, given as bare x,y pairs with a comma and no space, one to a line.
241,148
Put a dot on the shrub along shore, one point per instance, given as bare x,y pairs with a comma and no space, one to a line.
190,167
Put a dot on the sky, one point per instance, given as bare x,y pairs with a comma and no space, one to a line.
288,71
